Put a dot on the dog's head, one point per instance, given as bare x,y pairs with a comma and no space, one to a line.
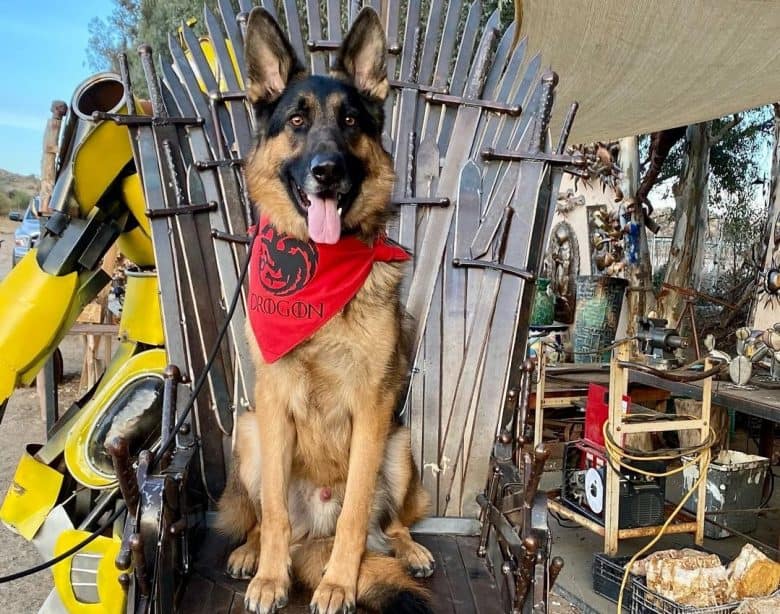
319,168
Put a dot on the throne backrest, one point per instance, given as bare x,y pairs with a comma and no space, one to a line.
467,123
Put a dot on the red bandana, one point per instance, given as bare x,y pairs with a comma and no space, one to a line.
295,287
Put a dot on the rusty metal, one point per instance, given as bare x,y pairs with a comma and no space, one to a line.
566,128
525,573
172,377
119,450
536,466
696,294
556,565
492,490
139,565
517,539
521,420
673,376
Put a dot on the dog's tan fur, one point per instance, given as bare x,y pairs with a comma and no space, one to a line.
323,417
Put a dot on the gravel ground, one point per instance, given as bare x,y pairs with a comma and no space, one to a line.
21,425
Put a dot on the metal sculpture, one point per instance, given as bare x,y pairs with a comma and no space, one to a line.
562,265
515,537
477,171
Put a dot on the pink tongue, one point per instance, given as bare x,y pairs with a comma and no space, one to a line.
324,220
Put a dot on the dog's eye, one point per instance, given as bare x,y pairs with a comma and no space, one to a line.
296,121
350,120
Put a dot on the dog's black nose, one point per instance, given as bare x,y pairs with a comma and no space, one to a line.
328,169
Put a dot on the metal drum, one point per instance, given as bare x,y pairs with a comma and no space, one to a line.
599,300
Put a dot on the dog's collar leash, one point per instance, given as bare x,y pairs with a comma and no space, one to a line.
296,287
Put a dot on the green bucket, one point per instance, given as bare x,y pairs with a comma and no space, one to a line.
543,312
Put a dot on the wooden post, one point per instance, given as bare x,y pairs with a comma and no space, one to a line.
45,381
618,387
51,137
706,407
638,273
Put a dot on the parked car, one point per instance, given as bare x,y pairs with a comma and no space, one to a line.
28,232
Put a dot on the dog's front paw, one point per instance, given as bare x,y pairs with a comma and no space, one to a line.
242,562
333,598
266,595
418,560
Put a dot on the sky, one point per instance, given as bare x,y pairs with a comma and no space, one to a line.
42,58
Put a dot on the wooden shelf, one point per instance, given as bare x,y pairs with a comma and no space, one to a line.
683,523
618,427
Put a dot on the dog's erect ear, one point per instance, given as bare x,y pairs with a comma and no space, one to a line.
363,55
270,59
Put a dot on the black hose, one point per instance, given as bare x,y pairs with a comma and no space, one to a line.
196,387
71,551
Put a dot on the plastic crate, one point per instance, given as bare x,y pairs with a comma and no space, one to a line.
608,575
646,601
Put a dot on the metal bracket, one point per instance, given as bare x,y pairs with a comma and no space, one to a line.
489,153
513,110
413,201
498,253
226,236
574,164
490,499
146,120
502,526
420,87
181,210
220,96
330,45
203,165
486,264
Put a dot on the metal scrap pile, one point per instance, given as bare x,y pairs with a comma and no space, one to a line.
699,579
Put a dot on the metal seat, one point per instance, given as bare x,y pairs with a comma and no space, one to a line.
468,130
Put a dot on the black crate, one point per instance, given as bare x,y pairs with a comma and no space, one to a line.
646,601
607,576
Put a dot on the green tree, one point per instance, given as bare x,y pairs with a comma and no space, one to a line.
716,166
133,22
113,35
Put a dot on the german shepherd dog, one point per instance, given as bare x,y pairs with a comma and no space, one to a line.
323,485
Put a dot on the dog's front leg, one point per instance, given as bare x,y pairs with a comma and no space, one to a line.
268,589
336,591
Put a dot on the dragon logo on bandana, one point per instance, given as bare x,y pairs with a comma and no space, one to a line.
286,264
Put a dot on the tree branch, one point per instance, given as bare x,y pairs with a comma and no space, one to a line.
716,138
661,144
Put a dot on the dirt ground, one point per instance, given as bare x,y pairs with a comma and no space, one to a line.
21,425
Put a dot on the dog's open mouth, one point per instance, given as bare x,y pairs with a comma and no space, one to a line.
323,213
